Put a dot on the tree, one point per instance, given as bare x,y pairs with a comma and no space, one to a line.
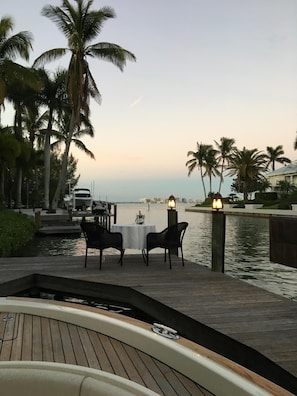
211,166
54,97
248,167
22,95
199,161
285,187
275,155
10,48
80,25
9,151
225,147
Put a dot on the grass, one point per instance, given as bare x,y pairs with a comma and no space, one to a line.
16,229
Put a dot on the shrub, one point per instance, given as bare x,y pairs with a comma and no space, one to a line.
266,196
16,229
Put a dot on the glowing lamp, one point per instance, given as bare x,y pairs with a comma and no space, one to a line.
171,203
217,202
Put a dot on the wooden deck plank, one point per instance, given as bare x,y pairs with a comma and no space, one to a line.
113,356
47,352
10,322
27,338
68,348
155,372
77,346
36,334
57,344
17,344
91,358
103,360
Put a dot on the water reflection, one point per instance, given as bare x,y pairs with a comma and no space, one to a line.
246,250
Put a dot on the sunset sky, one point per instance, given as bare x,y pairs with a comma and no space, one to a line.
204,70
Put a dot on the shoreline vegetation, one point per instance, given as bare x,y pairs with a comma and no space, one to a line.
16,230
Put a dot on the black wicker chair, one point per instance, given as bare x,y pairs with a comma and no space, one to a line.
98,237
170,238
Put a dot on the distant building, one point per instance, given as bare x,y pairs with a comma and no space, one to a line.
287,173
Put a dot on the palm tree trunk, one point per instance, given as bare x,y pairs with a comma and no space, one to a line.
203,184
47,162
63,173
19,176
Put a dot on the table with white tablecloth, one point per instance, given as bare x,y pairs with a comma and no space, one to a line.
134,235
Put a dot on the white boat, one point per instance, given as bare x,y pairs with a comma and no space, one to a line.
215,374
80,199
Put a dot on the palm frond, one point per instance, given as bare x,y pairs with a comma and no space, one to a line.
113,53
49,56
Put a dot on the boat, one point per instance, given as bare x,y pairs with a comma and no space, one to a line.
80,199
30,324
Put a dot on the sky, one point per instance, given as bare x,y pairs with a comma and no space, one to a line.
204,70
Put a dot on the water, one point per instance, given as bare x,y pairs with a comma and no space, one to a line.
246,249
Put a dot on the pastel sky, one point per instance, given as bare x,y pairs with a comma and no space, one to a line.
204,70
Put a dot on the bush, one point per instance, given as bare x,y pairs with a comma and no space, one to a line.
16,229
266,196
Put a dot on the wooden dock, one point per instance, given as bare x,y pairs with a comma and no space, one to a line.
251,326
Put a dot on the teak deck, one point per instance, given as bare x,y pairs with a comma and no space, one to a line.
258,328
27,337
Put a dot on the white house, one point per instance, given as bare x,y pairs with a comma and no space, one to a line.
288,173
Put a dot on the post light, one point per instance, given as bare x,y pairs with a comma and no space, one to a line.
172,217
217,202
218,234
171,203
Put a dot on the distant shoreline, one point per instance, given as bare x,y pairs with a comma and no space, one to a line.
247,212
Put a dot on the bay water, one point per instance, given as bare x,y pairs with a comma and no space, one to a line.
246,248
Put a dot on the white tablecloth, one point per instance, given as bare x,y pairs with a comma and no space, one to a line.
134,235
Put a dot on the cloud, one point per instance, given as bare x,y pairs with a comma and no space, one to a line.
136,102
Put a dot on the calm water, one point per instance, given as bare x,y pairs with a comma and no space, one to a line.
246,250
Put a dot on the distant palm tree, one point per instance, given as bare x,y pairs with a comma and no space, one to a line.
248,166
225,147
211,166
275,155
199,161
285,186
80,25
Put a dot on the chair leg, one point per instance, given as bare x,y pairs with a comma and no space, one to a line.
100,259
144,256
122,255
182,255
86,257
169,255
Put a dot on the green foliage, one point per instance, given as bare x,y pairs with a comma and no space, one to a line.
16,229
266,196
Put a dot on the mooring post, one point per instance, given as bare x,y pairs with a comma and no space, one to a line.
218,241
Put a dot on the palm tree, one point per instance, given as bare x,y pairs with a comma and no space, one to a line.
18,45
9,151
199,161
22,95
248,167
225,147
62,134
211,166
54,96
285,187
80,25
275,155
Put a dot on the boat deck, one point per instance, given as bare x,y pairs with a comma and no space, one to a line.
251,326
28,337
